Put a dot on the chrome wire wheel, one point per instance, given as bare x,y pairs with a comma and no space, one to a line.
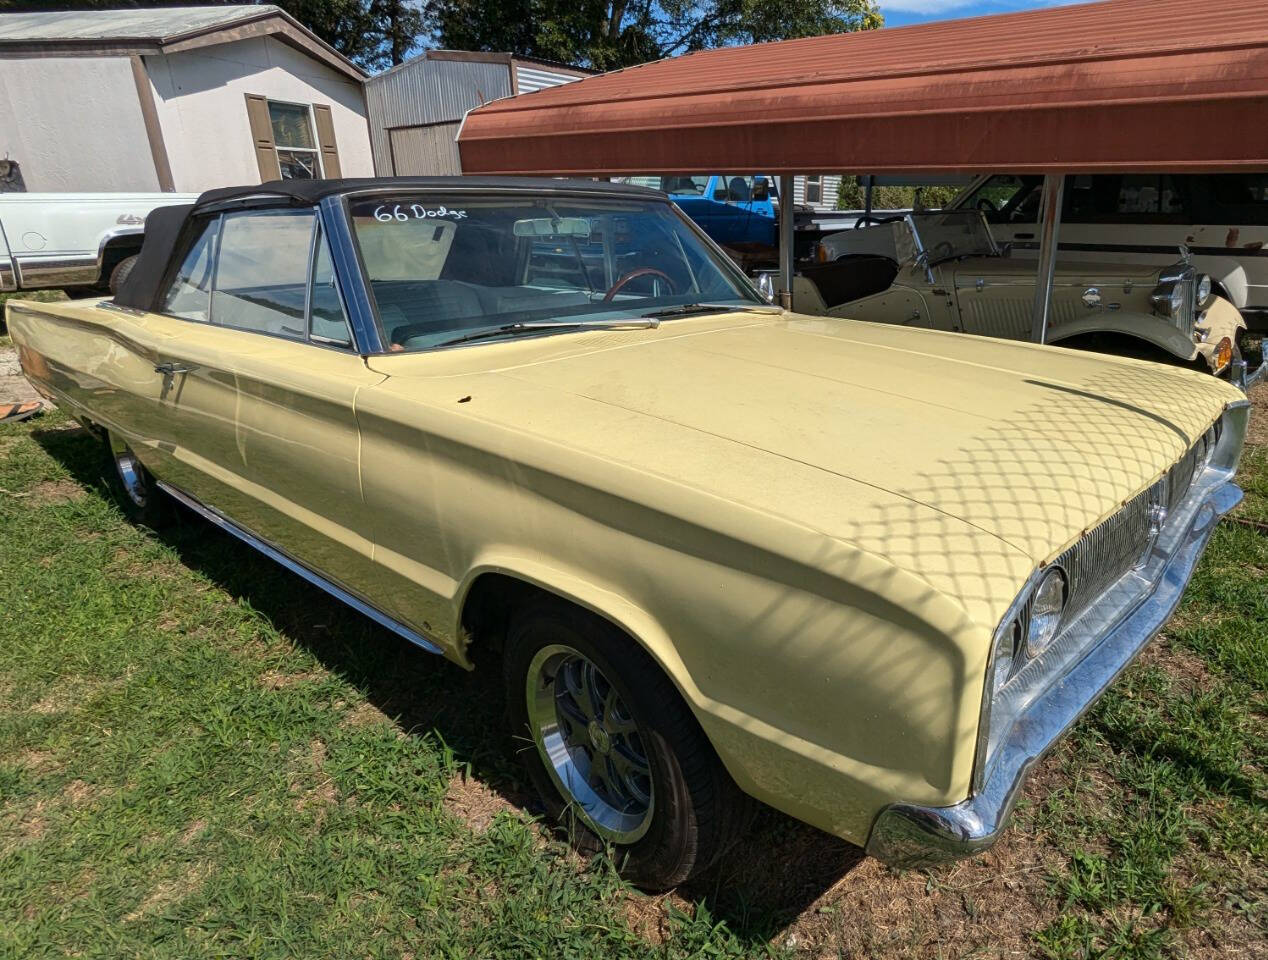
131,474
590,743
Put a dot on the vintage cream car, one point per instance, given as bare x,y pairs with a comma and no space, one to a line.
944,271
862,573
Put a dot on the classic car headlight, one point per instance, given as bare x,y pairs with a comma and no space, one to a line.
1168,299
1203,290
1046,607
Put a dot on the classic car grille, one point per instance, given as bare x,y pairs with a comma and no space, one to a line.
1122,542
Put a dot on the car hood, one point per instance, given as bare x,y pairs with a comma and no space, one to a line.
946,454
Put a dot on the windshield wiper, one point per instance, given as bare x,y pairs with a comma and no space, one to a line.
531,326
689,308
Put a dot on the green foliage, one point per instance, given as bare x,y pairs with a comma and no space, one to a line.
851,196
607,34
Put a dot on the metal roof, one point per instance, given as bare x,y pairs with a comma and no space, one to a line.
160,23
159,30
1122,84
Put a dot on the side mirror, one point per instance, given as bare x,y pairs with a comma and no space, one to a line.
761,190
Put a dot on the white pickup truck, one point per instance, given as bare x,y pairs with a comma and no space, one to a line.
73,241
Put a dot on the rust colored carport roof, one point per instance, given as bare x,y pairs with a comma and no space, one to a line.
1126,84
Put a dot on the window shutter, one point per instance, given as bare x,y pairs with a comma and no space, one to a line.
326,140
262,135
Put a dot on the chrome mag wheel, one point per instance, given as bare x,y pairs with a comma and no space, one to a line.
131,474
590,743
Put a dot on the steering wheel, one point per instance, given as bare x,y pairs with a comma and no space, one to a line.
634,275
940,247
868,221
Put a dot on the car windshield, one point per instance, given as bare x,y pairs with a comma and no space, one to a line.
950,235
443,267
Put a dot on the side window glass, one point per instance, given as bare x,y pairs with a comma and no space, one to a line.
262,272
326,321
190,290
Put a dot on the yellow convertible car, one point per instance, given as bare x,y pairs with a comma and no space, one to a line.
864,574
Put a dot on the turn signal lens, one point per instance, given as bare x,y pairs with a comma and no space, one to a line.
1223,354
1005,657
1045,611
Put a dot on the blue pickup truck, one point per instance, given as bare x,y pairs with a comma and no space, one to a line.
731,208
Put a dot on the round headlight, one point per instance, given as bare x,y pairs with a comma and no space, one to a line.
1203,289
1006,656
1168,299
1046,607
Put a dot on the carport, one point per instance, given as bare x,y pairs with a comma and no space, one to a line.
1124,85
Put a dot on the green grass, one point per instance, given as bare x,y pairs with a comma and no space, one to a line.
202,755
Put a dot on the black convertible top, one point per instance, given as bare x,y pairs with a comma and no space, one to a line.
165,226
304,192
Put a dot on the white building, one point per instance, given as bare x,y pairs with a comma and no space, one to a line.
174,99
415,108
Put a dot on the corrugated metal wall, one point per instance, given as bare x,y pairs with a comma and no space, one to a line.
422,92
529,78
425,151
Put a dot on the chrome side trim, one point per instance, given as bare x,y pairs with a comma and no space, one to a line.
909,835
61,272
274,553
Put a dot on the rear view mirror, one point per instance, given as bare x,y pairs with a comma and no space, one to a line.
553,227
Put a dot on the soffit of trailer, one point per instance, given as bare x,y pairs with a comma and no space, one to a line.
1118,85
152,31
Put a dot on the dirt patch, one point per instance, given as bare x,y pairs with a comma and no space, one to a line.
363,715
168,892
80,794
1189,671
277,680
315,790
193,832
55,492
38,761
475,804
1258,432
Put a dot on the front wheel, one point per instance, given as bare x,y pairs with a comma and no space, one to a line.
613,749
134,486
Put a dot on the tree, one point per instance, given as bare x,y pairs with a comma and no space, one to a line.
607,34
371,33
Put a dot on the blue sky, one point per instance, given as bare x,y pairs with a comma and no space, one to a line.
900,12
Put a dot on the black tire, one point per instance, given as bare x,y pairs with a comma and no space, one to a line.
696,811
133,486
120,273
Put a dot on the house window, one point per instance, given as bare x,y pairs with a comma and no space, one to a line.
814,188
297,155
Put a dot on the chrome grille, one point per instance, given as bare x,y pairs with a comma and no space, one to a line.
1122,542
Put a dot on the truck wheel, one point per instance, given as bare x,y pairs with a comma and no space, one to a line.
120,273
613,749
134,487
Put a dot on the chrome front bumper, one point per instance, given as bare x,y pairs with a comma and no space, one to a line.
907,835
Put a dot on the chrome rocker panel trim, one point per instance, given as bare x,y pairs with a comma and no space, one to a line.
296,567
908,835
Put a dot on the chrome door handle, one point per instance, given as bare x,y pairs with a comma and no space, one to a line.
171,369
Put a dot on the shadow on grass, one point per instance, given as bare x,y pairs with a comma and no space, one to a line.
771,876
